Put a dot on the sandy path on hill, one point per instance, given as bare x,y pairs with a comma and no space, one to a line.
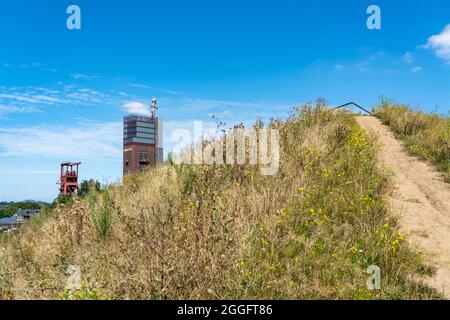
422,199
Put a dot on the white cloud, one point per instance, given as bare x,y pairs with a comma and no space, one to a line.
82,141
389,71
440,43
416,69
136,108
81,76
85,97
339,67
362,66
41,96
223,114
18,98
408,58
34,65
16,109
28,97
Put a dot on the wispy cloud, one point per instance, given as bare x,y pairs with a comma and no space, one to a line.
16,109
408,58
34,65
390,71
83,141
223,114
82,76
416,69
362,66
440,44
382,62
144,86
40,97
20,98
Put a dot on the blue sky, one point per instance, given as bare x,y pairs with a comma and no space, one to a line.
63,93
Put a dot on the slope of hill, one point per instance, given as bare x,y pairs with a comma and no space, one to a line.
227,232
425,135
420,198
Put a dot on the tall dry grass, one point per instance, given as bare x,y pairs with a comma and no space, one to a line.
227,232
426,135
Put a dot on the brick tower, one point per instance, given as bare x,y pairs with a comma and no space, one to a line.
142,141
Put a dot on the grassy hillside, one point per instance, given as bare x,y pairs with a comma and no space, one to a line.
425,135
227,232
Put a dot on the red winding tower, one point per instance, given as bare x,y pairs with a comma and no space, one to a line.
69,178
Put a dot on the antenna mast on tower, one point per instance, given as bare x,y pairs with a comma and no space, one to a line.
154,107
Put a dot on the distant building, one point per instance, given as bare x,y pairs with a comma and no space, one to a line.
15,222
28,213
10,224
142,142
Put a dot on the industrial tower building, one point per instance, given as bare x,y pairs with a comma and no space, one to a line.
69,178
142,141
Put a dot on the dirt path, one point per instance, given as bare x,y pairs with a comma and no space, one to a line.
421,198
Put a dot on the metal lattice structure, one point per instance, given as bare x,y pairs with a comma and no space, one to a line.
352,104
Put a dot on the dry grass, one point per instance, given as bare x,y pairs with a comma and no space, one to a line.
425,135
227,232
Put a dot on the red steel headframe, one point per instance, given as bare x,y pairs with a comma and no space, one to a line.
69,178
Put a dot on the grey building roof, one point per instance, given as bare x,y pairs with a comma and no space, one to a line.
6,221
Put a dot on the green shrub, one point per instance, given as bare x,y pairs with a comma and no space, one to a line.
101,207
88,186
85,293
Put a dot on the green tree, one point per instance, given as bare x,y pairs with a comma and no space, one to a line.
86,186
